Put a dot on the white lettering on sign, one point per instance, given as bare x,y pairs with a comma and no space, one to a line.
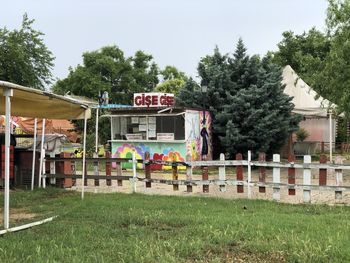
153,100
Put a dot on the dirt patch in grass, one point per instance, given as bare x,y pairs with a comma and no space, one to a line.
17,214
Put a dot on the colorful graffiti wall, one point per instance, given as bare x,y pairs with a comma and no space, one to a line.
158,151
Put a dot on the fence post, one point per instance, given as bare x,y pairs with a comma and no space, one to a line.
262,172
118,168
85,174
108,169
338,178
239,173
96,171
147,169
205,175
307,179
134,176
291,174
67,169
276,177
43,177
249,174
189,173
52,168
175,174
222,173
73,169
322,180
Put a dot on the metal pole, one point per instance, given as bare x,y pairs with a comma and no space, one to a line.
34,151
96,133
7,93
330,137
42,151
84,154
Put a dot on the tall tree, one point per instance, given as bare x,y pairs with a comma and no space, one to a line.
173,80
245,95
306,53
24,58
107,69
335,78
322,59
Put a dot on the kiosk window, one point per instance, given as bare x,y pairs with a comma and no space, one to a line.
172,124
138,127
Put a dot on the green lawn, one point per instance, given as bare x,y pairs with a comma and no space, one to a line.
142,228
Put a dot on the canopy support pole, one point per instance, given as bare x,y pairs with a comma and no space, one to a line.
34,152
8,93
96,133
84,156
330,137
42,151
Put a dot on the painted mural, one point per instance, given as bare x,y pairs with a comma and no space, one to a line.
208,126
192,134
158,151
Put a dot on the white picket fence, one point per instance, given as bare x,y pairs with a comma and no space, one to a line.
243,179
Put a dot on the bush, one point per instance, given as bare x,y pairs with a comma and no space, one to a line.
301,134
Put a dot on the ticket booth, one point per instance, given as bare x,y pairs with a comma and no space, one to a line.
156,126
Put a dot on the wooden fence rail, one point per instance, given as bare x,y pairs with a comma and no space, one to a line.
241,181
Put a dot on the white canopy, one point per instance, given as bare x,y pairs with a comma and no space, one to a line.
304,97
28,102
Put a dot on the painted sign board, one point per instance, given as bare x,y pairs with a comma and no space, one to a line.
165,136
153,99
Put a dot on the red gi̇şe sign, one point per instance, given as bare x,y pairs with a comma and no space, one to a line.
153,100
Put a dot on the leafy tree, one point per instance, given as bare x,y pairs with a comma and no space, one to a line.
245,95
335,78
173,80
24,58
306,53
322,59
107,69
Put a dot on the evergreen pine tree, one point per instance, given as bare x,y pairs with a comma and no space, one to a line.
245,96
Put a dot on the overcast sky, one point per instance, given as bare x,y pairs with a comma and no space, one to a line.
175,32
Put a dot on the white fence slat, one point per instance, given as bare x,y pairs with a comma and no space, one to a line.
338,178
249,174
222,173
307,180
276,178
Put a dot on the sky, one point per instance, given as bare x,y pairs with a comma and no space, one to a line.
175,32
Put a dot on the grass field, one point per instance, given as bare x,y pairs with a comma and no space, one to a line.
143,228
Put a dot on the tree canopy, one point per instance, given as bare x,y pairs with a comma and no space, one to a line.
322,58
173,80
24,58
245,96
107,69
